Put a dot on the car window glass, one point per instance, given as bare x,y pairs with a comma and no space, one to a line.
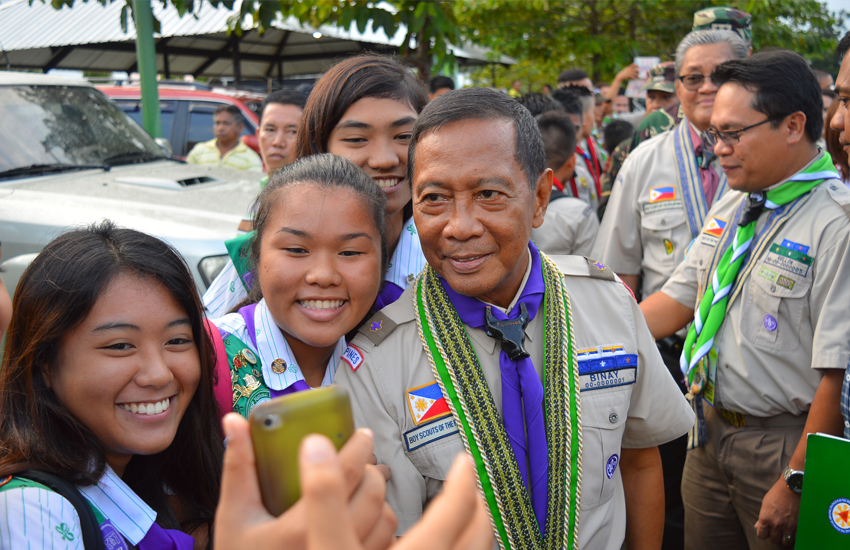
64,125
133,108
201,123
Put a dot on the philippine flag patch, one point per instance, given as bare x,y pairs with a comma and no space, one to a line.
660,194
426,403
715,226
353,356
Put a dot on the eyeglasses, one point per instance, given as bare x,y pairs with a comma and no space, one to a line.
692,82
733,137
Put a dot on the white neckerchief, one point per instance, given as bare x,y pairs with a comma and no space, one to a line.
407,260
121,506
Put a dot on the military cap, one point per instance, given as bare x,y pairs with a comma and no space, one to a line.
729,19
662,78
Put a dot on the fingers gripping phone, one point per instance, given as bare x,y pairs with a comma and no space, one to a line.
277,428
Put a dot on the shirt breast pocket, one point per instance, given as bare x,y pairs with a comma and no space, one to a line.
657,232
603,417
432,447
774,309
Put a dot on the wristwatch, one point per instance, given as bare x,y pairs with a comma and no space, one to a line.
794,479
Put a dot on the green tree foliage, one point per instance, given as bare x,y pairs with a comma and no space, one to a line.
603,36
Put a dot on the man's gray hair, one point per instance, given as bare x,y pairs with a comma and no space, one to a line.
712,36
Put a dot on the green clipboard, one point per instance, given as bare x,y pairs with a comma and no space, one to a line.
824,522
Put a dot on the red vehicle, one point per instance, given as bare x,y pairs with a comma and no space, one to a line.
186,114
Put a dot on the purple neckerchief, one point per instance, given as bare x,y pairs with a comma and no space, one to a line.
388,294
522,390
158,538
247,314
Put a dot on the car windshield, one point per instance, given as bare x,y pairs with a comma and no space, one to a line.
67,125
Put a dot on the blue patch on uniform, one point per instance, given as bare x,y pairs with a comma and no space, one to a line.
430,432
613,362
611,465
608,368
794,246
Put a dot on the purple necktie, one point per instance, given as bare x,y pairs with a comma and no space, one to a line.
522,390
298,385
158,538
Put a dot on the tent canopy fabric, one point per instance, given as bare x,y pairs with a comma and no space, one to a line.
88,37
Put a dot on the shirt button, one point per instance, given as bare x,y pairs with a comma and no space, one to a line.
847,423
410,278
847,377
613,418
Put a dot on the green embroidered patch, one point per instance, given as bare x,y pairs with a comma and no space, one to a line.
785,281
767,274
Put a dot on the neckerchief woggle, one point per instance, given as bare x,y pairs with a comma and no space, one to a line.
711,312
458,372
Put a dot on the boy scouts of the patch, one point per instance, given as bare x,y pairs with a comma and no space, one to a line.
426,403
278,366
659,194
715,226
353,356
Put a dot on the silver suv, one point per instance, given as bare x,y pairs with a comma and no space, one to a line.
70,157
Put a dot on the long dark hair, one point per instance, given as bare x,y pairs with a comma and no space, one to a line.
55,294
346,83
328,172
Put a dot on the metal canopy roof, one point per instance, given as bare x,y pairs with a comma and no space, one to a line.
89,37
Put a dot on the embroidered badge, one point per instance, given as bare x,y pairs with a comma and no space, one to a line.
111,538
649,208
353,356
586,352
430,432
668,246
795,246
839,515
715,226
426,403
785,281
659,194
376,326
583,181
767,274
789,260
599,265
278,366
609,368
770,322
611,465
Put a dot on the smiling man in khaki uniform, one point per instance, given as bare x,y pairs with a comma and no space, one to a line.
770,354
428,380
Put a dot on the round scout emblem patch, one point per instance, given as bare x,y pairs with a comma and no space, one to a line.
249,356
611,465
770,322
278,366
839,515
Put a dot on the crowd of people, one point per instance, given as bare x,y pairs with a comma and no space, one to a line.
664,288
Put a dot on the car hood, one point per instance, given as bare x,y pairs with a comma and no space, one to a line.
202,188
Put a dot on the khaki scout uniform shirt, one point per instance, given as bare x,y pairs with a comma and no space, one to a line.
584,183
568,229
787,318
646,413
637,236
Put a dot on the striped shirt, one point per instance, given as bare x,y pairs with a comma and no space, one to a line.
272,345
845,402
240,157
32,517
227,290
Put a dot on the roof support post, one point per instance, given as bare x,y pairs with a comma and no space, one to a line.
146,56
237,68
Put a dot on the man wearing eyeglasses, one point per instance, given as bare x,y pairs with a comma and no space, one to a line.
765,284
658,205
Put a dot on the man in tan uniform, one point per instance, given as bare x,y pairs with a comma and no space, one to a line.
571,224
430,384
774,259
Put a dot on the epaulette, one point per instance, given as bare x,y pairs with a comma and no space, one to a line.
377,328
840,194
598,270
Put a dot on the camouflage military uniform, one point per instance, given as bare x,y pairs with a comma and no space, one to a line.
726,19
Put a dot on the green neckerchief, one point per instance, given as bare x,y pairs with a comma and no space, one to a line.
239,249
458,372
709,315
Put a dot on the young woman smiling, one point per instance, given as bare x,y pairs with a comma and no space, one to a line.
362,109
106,383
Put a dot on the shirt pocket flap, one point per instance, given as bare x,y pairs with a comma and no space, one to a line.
432,447
663,221
779,284
606,408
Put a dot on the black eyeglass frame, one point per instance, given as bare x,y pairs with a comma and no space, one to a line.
733,137
694,87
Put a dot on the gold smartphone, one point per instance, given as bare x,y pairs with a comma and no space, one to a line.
277,428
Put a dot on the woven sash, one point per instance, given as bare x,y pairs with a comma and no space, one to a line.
458,372
690,184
